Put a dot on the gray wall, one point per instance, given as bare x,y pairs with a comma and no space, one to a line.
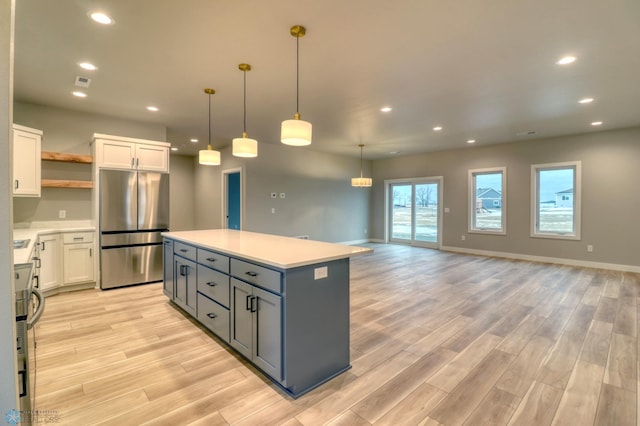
182,193
319,201
72,132
8,372
610,198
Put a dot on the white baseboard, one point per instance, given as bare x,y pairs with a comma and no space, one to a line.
354,242
544,259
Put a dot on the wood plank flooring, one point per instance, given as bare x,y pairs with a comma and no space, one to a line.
436,339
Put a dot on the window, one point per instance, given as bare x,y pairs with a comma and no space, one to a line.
555,200
487,200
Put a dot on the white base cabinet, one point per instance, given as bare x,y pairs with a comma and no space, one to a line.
50,261
79,263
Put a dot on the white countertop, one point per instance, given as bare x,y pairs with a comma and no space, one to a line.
274,250
21,256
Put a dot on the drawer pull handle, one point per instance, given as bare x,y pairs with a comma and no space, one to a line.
78,238
211,315
212,284
211,259
252,274
184,250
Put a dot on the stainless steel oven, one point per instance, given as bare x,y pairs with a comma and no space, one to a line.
29,308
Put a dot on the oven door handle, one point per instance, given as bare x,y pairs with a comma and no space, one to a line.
38,313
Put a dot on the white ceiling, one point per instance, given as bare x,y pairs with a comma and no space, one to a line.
483,70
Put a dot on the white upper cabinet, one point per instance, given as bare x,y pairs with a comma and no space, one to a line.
115,152
27,146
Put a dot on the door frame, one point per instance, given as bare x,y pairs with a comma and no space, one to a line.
225,190
388,183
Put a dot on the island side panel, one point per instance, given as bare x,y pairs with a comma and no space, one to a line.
316,324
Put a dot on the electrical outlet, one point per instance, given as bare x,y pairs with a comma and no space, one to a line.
282,194
463,238
62,214
320,273
274,195
590,248
446,209
273,209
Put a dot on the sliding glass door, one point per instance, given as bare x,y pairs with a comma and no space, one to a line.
414,211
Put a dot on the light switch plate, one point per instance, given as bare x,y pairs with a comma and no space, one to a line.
319,273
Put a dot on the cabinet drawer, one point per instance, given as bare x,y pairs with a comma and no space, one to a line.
257,275
77,237
185,250
213,316
213,260
213,284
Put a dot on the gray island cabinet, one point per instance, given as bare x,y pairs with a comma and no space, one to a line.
282,303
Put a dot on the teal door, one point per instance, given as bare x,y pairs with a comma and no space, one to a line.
233,200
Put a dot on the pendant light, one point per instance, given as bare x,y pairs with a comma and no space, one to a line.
209,157
296,132
361,182
244,146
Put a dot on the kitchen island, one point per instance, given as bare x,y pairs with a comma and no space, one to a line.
282,303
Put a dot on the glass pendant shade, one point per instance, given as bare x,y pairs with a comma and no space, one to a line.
209,157
296,132
245,147
361,182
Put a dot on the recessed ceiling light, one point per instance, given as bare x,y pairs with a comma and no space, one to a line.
437,128
385,109
566,60
174,148
471,141
194,140
394,152
596,123
87,66
101,18
585,101
79,94
153,108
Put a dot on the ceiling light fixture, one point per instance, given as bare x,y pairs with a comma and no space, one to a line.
87,66
79,94
101,18
437,128
361,182
566,60
194,140
209,157
471,141
245,146
296,132
173,148
386,109
585,101
596,123
153,108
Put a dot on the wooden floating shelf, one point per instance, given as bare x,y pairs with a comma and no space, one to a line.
58,183
67,158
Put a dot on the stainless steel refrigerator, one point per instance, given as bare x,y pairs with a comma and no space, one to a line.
134,210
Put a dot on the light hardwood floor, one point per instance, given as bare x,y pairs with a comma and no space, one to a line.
436,338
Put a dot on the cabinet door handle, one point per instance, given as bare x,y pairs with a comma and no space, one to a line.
37,261
23,391
17,183
253,306
211,259
182,270
42,246
133,161
252,274
211,315
90,252
212,284
248,303
37,278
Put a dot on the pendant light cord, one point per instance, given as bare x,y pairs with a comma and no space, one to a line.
244,101
361,163
298,75
209,120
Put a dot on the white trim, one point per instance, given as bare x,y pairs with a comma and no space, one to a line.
472,201
127,139
223,216
545,259
577,197
354,242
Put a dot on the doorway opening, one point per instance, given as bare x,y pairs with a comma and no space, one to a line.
233,199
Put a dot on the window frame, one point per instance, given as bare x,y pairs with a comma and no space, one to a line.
577,199
472,201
